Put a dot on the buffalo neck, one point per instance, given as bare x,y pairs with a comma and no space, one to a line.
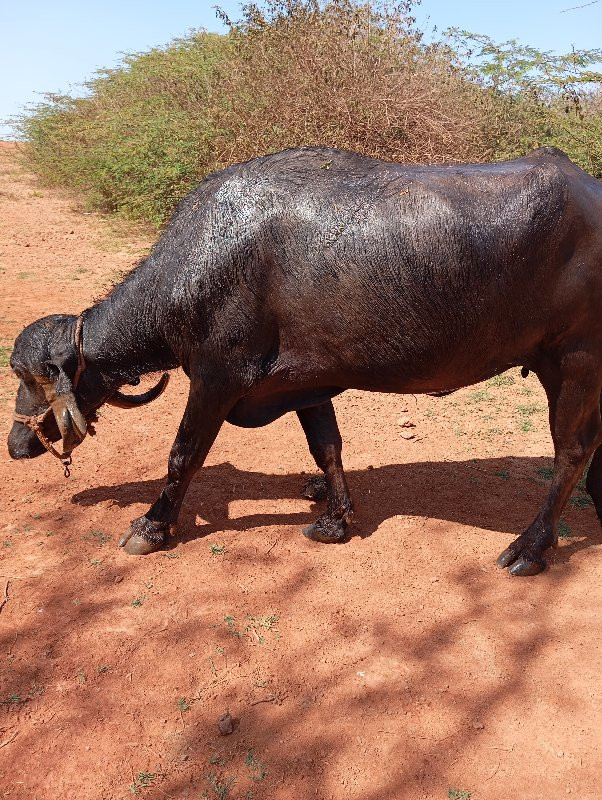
123,335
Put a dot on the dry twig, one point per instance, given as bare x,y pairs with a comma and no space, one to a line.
265,700
5,598
8,741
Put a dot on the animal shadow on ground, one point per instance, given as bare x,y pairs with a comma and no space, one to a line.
499,494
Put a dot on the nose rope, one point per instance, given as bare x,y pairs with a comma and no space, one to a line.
35,422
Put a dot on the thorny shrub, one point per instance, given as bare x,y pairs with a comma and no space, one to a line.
340,73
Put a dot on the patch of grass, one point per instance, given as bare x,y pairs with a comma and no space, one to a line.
257,771
97,537
529,410
505,379
458,794
564,532
138,601
581,501
170,555
5,356
547,473
217,549
183,705
217,761
504,474
102,668
526,412
232,628
95,562
142,781
23,275
268,622
12,700
82,677
479,396
219,786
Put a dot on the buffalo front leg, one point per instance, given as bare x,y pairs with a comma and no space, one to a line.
322,432
573,391
200,425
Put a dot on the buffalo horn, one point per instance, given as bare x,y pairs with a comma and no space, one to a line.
135,400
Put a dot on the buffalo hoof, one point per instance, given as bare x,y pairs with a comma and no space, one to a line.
139,546
144,536
315,488
326,530
524,556
524,566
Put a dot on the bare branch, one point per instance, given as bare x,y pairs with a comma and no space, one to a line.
585,5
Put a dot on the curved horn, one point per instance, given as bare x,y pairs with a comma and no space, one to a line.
71,422
135,400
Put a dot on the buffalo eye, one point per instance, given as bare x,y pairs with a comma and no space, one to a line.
17,371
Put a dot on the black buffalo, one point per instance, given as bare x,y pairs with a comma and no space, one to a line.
281,282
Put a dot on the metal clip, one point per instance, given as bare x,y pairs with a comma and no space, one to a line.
67,463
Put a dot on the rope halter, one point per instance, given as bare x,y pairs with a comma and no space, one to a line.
35,422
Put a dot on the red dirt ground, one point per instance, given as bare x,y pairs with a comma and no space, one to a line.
401,664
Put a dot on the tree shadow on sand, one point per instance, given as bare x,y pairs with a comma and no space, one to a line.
401,675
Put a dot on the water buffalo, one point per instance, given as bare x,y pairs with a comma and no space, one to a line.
281,282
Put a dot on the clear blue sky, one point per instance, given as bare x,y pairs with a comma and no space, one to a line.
53,45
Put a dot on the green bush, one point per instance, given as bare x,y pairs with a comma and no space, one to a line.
537,98
140,139
348,74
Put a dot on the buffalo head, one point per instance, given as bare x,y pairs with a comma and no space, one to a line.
59,392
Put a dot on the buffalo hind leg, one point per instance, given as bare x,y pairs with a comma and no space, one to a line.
200,425
573,390
322,432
